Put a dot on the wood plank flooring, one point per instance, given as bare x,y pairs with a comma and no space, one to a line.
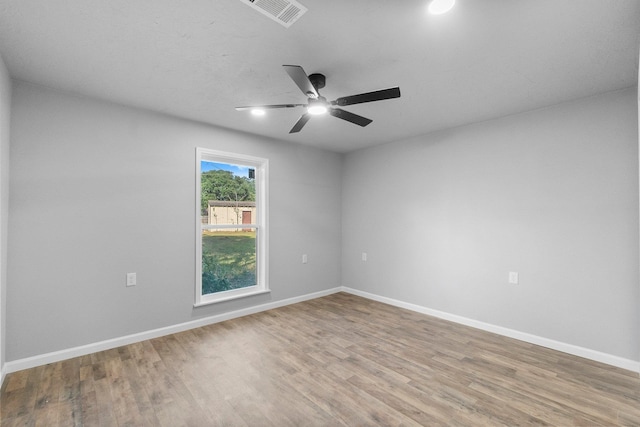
340,360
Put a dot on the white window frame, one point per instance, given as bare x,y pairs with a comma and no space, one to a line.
261,167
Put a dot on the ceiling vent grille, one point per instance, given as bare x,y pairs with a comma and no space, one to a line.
285,12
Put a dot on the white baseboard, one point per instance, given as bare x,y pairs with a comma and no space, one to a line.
56,356
43,359
598,356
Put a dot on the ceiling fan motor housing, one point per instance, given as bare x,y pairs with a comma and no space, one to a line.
317,80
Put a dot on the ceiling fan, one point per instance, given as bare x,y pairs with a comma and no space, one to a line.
318,104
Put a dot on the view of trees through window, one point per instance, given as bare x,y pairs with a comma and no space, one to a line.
228,212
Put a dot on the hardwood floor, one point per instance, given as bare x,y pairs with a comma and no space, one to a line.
334,361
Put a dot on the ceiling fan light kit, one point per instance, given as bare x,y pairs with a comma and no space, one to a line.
318,105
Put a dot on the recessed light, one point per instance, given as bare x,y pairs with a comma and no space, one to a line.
438,7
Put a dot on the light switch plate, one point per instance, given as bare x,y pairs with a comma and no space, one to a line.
131,279
513,277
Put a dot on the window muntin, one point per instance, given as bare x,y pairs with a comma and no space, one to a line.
231,217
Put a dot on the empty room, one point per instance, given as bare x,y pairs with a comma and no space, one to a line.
319,213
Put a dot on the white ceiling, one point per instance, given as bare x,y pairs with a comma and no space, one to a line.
198,59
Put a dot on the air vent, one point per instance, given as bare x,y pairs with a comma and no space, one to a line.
285,12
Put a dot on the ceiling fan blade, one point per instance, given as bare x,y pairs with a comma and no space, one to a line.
299,76
269,107
300,123
377,95
350,117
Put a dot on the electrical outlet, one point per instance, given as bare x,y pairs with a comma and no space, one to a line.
131,279
513,277
304,258
364,256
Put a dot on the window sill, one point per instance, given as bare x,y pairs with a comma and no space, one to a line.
232,297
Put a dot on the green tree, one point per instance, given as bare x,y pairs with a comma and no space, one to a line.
224,185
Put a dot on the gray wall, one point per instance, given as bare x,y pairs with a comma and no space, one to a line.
5,109
551,194
99,190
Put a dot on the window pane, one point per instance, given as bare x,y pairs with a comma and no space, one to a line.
229,189
232,226
228,260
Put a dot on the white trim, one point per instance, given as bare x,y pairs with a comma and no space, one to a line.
232,296
43,359
261,226
56,356
575,350
2,375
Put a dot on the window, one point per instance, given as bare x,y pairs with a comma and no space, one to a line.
231,226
